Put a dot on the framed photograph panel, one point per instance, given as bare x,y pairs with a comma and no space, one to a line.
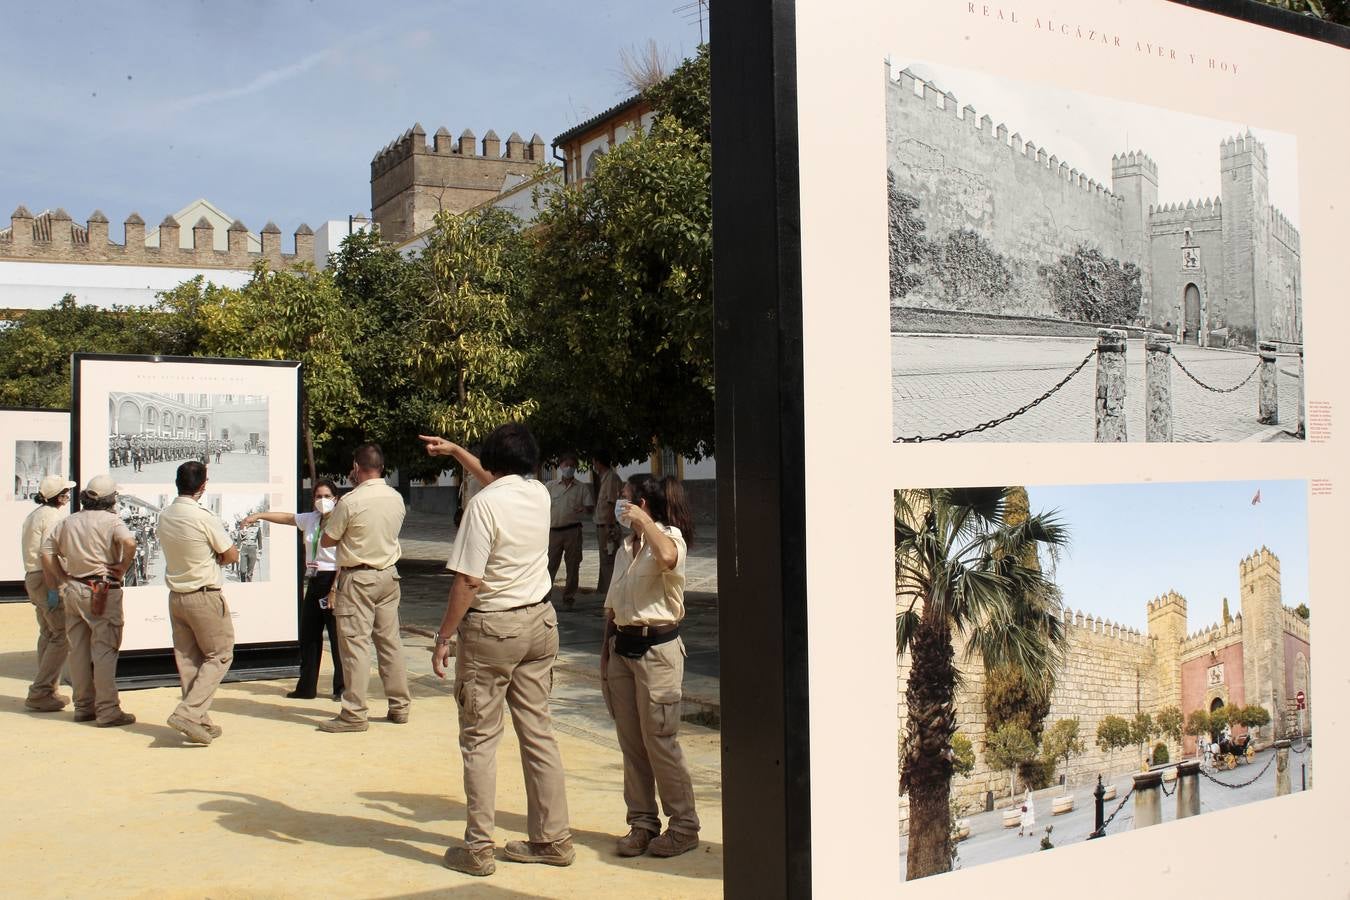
36,444
139,418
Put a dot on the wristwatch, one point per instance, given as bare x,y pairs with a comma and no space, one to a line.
443,641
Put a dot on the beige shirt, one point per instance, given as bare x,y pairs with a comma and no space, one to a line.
36,526
503,542
568,503
88,543
611,485
642,593
365,523
190,536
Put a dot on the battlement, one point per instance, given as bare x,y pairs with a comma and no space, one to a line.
1190,211
1170,601
1296,625
54,237
1282,229
1236,149
939,102
1134,163
1258,559
1089,624
413,142
1213,637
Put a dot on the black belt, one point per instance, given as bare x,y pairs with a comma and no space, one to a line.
512,609
633,641
646,630
365,567
564,527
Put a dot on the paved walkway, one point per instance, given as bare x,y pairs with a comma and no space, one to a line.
948,382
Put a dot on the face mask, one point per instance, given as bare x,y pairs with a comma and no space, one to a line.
566,472
325,505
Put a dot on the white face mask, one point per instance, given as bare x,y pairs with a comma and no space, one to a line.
325,505
566,472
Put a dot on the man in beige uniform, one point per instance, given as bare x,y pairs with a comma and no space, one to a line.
569,500
607,488
508,641
364,527
195,546
87,554
52,647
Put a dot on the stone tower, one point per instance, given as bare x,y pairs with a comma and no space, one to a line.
1134,178
410,181
1244,190
1263,635
1167,628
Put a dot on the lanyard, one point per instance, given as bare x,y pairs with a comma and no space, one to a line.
314,544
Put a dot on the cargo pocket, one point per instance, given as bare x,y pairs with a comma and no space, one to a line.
493,628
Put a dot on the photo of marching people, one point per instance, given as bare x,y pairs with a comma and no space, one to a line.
149,435
141,517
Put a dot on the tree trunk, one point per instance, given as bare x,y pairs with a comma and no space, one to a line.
927,771
309,443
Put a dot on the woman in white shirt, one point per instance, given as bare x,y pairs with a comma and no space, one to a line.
642,665
316,610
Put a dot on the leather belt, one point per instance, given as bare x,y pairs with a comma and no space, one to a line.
646,630
363,566
564,527
512,609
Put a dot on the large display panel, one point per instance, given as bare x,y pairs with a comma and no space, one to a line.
139,418
35,444
1090,249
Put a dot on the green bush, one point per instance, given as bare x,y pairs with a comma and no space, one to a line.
1160,755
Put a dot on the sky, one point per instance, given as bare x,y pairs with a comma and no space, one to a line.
1133,542
273,110
1085,130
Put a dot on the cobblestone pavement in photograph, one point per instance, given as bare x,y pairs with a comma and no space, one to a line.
233,468
944,383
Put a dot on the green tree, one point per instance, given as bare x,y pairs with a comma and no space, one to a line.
1170,723
1198,725
1337,11
963,755
1142,730
1113,733
1221,718
1006,750
1062,742
1303,612
1254,717
959,571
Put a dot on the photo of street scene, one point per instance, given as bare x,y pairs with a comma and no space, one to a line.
1077,661
1066,267
151,434
142,516
34,461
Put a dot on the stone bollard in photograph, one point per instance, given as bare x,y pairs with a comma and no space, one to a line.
1302,396
1110,412
1281,768
1147,799
1158,387
1188,788
1268,406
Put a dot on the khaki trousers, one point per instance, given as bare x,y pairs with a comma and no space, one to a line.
94,643
564,544
603,537
508,657
52,646
203,648
365,608
643,696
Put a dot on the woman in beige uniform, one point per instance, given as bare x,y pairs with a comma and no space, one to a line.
642,665
52,647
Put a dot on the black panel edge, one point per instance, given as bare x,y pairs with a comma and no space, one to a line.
1273,17
138,669
760,441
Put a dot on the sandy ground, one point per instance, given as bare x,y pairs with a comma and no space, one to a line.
276,808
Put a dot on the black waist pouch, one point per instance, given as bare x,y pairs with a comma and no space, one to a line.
635,646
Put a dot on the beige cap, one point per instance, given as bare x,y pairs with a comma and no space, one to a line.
53,485
101,486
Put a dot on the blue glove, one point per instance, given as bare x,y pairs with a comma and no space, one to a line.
53,599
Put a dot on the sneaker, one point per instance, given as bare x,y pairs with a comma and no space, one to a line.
125,718
398,716
214,730
46,704
84,716
193,731
550,853
635,842
469,861
338,725
672,844
296,695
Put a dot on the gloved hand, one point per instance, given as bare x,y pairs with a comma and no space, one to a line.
53,599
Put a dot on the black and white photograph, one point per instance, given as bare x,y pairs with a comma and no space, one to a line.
1066,267
34,461
141,514
150,435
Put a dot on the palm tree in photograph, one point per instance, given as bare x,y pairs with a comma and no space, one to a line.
963,572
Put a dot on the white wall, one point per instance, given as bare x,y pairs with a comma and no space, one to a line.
329,236
40,285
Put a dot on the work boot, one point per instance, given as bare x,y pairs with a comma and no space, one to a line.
125,718
470,861
550,853
672,844
46,704
635,842
214,730
398,716
193,731
85,716
339,725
